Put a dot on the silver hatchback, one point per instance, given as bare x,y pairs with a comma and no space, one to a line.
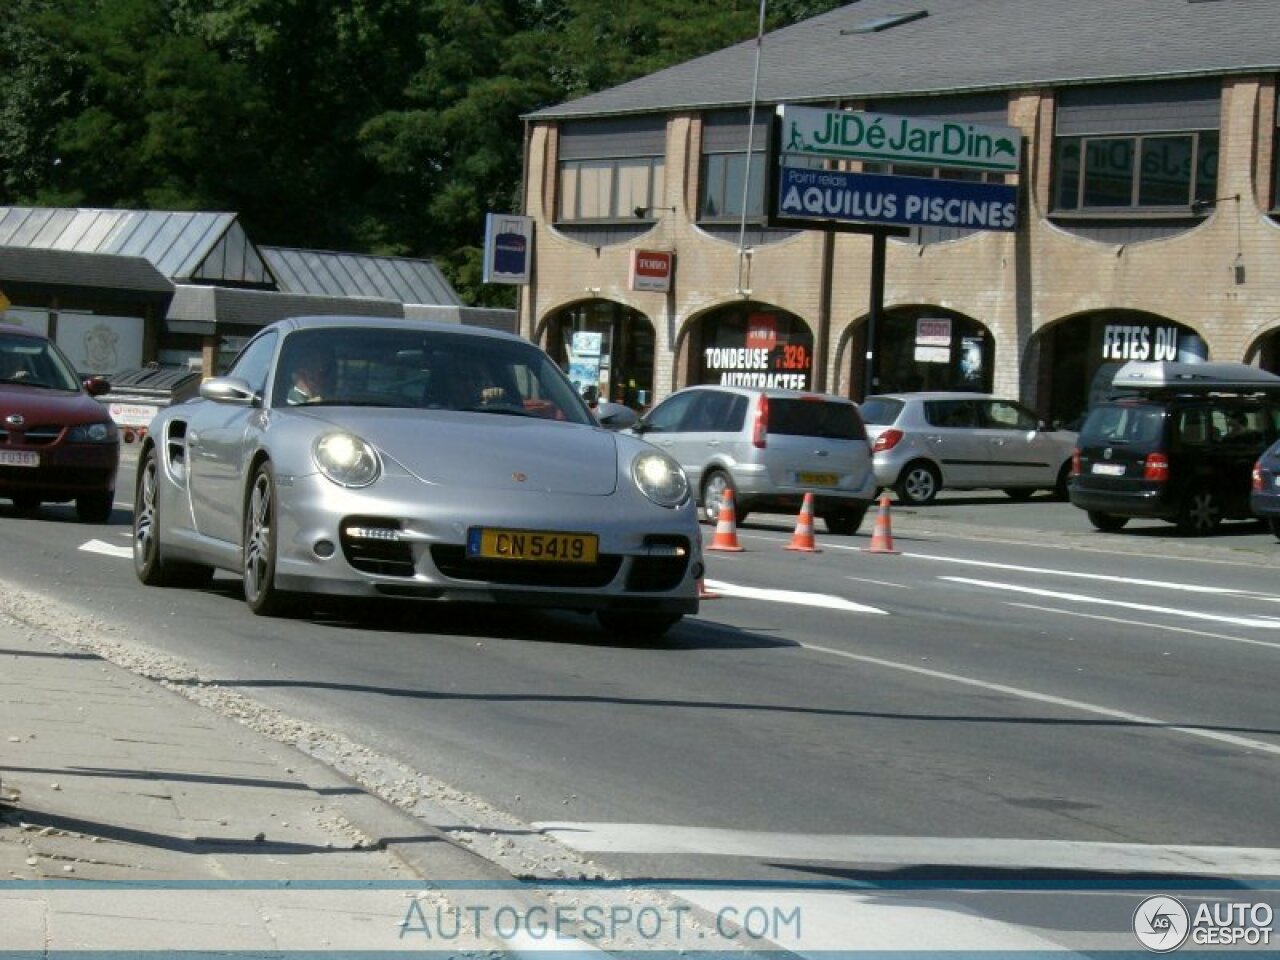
922,442
770,447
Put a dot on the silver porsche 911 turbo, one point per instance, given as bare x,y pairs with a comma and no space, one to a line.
365,457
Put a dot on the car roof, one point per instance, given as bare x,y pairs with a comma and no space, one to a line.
932,395
320,322
772,393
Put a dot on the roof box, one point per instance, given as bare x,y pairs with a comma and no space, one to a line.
1166,377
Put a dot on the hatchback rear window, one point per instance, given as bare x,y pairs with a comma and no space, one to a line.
881,411
1123,424
815,418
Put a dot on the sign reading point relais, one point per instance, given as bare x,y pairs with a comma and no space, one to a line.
881,138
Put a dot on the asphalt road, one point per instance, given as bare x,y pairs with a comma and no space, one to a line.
1012,690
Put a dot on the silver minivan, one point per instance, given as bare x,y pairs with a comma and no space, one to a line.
769,446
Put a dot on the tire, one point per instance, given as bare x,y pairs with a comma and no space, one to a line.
1019,493
1107,522
95,507
918,483
1061,488
261,545
148,558
845,521
713,486
1200,513
26,503
1274,525
630,625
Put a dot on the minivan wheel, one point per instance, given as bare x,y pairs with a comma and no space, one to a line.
845,521
713,488
1107,522
1201,512
918,483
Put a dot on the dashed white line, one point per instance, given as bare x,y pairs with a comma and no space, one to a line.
824,600
106,549
1162,627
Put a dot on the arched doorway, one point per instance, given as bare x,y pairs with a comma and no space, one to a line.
1265,351
922,347
606,344
750,344
1078,355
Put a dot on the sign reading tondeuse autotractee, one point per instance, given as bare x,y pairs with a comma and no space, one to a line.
807,192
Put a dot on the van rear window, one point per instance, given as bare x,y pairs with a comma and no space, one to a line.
815,418
1123,424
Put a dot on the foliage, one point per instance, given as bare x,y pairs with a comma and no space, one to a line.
387,126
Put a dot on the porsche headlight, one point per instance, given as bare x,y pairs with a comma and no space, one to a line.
94,433
660,479
346,460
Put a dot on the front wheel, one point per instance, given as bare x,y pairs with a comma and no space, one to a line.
630,625
918,483
1107,522
1274,525
845,521
1201,512
260,545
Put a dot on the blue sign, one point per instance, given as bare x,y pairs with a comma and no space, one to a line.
808,194
508,246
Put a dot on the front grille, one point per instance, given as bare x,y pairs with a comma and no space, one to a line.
452,561
659,573
372,554
32,436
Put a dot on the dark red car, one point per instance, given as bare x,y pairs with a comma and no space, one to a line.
57,443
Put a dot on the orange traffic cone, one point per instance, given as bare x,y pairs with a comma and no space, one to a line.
726,537
802,539
882,535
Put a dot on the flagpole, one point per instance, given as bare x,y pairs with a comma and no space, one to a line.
751,130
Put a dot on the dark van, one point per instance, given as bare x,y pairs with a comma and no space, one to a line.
1181,449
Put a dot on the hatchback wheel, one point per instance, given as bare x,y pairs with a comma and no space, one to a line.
1019,493
918,483
846,521
1201,512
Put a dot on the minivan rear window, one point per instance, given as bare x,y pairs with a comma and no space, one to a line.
881,411
1123,424
815,418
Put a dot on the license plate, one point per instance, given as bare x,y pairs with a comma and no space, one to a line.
19,458
1109,469
817,479
541,546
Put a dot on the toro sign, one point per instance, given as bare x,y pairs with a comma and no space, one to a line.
651,270
888,139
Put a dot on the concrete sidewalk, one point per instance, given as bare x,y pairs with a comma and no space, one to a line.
106,776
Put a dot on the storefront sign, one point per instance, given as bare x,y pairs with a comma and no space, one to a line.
762,331
834,195
933,332
763,361
879,137
508,246
1139,342
651,270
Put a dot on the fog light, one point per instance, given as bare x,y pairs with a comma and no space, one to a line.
324,549
698,570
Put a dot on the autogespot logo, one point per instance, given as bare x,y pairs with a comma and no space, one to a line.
1161,924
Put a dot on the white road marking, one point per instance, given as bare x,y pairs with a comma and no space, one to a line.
107,549
1163,628
1263,622
1161,584
825,600
992,852
881,583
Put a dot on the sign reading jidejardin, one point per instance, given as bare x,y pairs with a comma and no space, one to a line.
882,138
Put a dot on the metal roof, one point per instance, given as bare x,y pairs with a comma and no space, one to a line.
175,243
356,275
961,46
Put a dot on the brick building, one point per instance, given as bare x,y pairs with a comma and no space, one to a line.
1147,204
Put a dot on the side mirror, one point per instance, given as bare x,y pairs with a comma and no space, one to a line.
231,390
641,426
97,386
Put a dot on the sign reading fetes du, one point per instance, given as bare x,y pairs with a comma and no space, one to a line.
651,270
888,139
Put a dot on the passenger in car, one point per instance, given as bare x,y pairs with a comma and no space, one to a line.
312,372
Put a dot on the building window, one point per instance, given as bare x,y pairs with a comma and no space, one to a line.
723,178
610,189
1148,170
935,173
